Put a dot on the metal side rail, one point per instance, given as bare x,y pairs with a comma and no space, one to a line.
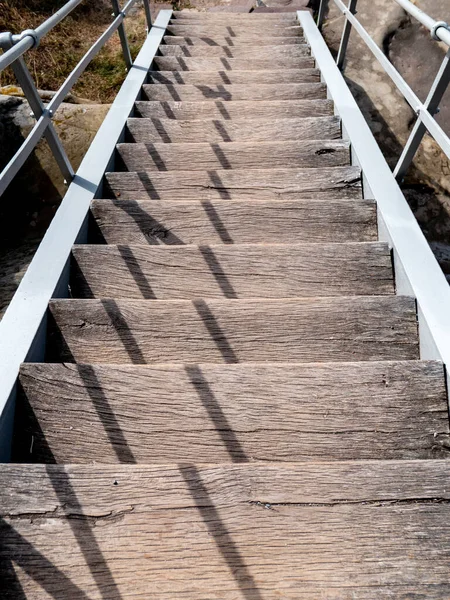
417,271
22,329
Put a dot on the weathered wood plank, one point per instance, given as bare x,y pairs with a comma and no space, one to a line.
232,130
242,52
231,271
234,221
353,530
232,155
209,109
209,78
207,40
282,91
266,29
242,18
320,183
303,330
84,413
198,63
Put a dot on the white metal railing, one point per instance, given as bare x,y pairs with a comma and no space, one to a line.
425,111
15,46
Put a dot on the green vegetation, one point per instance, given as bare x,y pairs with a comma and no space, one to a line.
63,47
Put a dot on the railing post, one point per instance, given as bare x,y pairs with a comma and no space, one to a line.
25,80
123,36
437,90
148,15
345,35
321,14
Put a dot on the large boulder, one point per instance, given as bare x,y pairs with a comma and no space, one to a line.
412,51
37,190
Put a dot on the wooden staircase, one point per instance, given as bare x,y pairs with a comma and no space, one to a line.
233,306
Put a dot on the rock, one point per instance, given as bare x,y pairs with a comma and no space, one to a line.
39,186
417,57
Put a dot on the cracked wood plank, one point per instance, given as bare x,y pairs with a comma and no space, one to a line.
304,531
213,41
198,63
209,109
232,129
228,331
242,52
234,221
226,92
319,183
240,413
233,155
235,77
231,271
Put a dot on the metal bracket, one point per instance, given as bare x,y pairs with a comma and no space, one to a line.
28,32
436,26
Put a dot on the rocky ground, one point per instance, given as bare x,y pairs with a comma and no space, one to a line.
30,202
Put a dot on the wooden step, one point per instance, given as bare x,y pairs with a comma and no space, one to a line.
317,183
199,63
232,413
231,271
236,129
302,330
209,17
232,155
235,31
210,109
226,92
305,531
209,41
243,52
214,78
233,221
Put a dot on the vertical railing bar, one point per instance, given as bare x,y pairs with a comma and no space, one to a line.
122,36
321,14
432,102
32,95
345,35
148,15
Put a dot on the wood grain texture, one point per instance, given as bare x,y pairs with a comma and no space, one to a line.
232,155
210,109
303,330
209,78
240,413
238,129
312,531
327,182
256,30
234,221
255,92
254,18
242,52
179,63
211,41
231,271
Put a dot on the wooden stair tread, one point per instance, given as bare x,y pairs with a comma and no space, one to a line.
233,155
231,271
191,16
236,129
235,77
371,529
235,92
243,51
303,330
211,41
319,183
234,221
216,109
199,63
223,413
234,31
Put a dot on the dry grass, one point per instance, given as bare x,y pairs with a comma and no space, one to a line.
63,47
